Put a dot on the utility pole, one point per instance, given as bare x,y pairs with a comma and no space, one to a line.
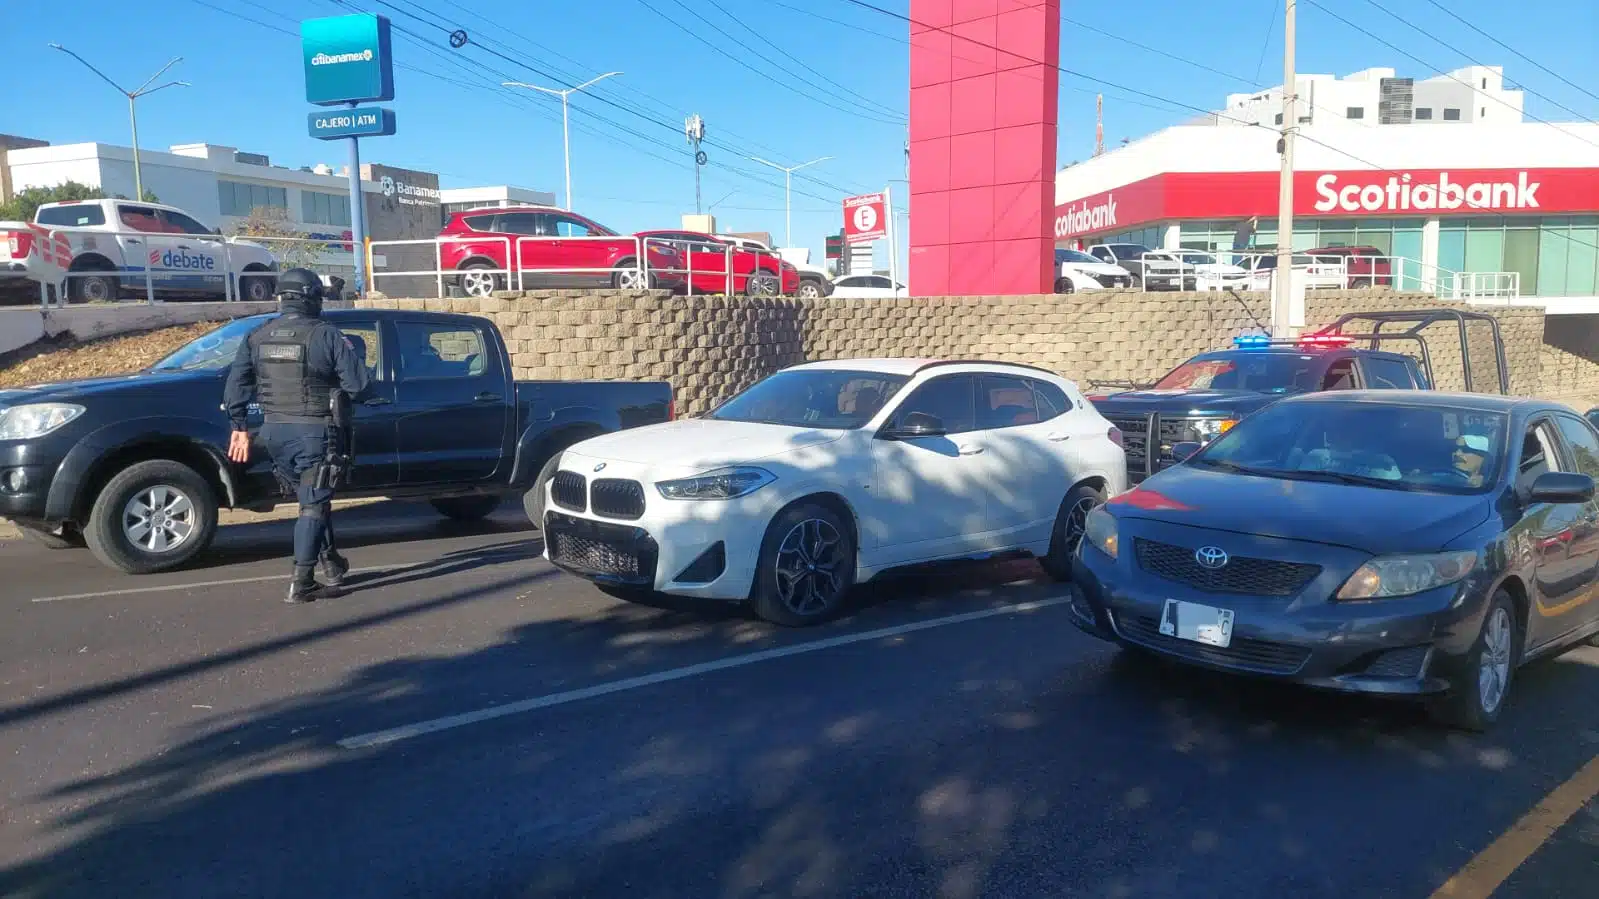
1099,125
694,130
566,125
133,116
788,183
1282,299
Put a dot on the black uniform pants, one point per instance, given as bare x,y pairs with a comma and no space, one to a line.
297,451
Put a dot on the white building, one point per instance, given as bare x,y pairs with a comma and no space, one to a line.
460,199
1474,95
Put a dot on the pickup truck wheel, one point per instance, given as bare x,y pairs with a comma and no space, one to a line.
809,290
466,508
1064,285
806,568
65,537
152,516
478,280
92,288
533,500
257,287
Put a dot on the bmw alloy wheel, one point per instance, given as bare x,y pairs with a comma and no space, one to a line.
159,519
1493,664
1076,521
809,567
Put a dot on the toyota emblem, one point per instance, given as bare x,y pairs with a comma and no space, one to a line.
601,467
1211,557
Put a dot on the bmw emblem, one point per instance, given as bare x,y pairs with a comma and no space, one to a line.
1211,557
601,467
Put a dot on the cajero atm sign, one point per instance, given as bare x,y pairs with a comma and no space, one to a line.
348,59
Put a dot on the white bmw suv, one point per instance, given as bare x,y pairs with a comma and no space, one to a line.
825,475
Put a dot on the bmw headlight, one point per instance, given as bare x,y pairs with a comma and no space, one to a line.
1099,531
726,483
35,419
1207,429
1389,576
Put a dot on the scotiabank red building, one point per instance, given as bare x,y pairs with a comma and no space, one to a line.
1455,198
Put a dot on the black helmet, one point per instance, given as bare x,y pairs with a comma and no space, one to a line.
300,290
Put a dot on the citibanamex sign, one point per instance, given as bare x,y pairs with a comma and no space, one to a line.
1399,193
1081,218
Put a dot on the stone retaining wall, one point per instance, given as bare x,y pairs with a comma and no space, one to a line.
711,347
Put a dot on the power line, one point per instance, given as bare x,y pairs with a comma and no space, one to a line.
1501,101
1157,51
1265,42
1440,42
1462,20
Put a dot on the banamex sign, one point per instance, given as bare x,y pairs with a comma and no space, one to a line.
1423,193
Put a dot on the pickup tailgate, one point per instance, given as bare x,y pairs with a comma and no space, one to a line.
619,404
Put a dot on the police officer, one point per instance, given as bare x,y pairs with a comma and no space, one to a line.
292,366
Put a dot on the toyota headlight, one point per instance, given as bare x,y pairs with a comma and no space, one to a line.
35,419
1207,429
1099,531
1389,576
727,483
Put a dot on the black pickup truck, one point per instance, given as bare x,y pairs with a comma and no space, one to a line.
1204,397
136,465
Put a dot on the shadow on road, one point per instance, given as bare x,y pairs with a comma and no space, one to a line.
1122,779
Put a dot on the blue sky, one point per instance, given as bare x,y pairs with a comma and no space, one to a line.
247,88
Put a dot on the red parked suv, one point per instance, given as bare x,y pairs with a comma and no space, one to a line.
1366,266
571,251
707,265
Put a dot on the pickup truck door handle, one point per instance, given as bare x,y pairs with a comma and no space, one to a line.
131,239
377,401
487,397
970,450
1057,437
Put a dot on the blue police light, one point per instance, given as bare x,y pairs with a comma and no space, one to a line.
1244,341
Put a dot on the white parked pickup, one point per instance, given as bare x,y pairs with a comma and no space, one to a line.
121,247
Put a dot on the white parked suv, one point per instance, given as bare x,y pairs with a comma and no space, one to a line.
115,241
1076,270
825,475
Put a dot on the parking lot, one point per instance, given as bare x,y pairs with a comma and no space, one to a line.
469,722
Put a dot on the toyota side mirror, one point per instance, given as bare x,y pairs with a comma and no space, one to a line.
1561,488
915,425
1181,451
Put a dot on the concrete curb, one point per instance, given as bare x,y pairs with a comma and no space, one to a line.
9,531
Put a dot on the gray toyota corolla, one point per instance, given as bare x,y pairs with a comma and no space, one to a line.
1397,542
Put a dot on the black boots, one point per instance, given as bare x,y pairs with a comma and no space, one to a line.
334,568
304,588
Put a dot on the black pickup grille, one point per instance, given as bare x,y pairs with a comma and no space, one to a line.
1254,577
1244,653
569,490
615,498
1135,440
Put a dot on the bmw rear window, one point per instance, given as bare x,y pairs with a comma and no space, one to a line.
71,216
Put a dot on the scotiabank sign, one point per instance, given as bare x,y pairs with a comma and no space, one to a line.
1419,192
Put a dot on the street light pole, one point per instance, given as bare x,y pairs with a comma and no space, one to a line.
566,127
133,96
788,183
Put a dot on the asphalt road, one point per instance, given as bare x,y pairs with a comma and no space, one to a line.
469,723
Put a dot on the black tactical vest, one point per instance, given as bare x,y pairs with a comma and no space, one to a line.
287,388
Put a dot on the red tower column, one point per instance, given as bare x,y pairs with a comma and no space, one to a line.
983,111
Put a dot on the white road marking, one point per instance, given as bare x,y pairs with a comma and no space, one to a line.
449,722
198,585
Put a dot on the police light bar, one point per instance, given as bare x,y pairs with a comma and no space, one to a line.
1249,340
1325,340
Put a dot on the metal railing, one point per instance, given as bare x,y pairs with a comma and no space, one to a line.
439,272
767,280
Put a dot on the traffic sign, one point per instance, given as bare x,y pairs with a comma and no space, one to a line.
373,121
865,218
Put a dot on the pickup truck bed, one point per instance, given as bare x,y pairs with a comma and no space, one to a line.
443,421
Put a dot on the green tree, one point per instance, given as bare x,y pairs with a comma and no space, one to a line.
22,205
273,221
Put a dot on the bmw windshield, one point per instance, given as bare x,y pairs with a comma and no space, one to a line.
831,399
214,351
1262,372
1436,449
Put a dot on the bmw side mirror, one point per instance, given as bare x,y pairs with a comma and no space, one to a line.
916,425
1181,451
1561,488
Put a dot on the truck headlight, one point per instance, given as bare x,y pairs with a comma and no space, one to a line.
1099,531
727,483
35,419
1389,576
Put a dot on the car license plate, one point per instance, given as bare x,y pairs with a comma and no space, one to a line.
1201,624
